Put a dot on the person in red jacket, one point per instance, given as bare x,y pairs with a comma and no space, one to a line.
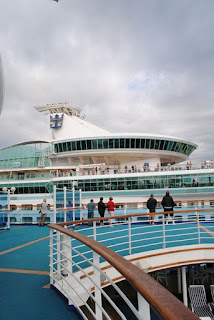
110,207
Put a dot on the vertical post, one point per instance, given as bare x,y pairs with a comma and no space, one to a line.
164,232
58,246
65,207
94,230
81,211
98,295
179,279
198,226
130,235
51,256
54,204
125,209
8,208
184,286
143,308
64,255
73,195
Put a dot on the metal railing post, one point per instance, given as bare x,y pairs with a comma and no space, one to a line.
98,295
58,251
51,256
65,213
198,226
54,204
94,230
8,208
130,235
125,209
164,232
184,286
143,308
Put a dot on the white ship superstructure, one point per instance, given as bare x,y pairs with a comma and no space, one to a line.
127,166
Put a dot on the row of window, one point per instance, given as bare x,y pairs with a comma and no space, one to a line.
121,183
142,183
124,143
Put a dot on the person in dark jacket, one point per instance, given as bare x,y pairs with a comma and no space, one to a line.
151,205
168,204
91,208
101,210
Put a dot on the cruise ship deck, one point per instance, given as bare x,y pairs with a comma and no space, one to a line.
24,266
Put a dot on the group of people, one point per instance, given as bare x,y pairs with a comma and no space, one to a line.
167,203
110,206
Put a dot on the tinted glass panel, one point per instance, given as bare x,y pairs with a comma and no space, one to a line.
88,144
116,143
122,143
127,143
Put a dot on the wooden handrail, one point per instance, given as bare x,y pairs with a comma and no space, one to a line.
162,301
131,215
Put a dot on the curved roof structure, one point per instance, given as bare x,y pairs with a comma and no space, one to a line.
1,86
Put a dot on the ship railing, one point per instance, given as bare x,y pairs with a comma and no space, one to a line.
5,219
86,288
135,233
105,170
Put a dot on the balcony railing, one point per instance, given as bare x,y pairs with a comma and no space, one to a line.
81,276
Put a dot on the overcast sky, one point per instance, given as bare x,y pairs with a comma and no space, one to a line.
131,66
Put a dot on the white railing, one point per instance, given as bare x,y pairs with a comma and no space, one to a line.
84,287
131,236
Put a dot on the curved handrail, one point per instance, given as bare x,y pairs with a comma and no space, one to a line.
164,303
131,215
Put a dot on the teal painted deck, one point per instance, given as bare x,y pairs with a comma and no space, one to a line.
23,296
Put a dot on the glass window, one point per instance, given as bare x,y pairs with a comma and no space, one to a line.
162,144
83,147
111,143
94,144
137,143
60,147
133,143
69,145
156,146
174,146
127,145
147,143
165,147
152,144
122,143
105,143
74,145
64,147
78,145
100,144
56,148
88,144
142,143
116,143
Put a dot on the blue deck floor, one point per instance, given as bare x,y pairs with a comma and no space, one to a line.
22,295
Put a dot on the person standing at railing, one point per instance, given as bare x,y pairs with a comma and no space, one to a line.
168,204
111,208
151,205
91,208
43,212
101,210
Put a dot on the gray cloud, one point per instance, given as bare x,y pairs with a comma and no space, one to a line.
141,66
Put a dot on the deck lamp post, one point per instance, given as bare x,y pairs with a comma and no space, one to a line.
8,191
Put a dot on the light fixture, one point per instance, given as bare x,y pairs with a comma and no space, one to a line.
4,189
12,189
